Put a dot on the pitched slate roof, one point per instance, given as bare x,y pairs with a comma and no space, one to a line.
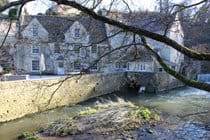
57,26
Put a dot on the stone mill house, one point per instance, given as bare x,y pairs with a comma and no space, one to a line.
60,45
136,58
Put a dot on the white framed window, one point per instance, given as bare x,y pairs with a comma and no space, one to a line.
117,65
82,52
77,48
173,67
77,32
160,69
35,49
57,49
141,67
94,49
128,66
124,65
76,65
35,66
35,30
60,65
121,65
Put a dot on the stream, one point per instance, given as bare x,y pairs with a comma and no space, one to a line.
187,108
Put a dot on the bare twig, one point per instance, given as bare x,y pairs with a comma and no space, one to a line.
5,37
161,38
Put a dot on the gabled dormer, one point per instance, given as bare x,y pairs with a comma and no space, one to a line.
77,33
35,31
176,31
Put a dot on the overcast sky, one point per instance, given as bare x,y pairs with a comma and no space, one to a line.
42,5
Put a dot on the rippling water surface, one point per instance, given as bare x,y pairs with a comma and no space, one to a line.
180,102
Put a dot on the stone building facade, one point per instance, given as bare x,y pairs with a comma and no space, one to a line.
136,58
63,44
59,45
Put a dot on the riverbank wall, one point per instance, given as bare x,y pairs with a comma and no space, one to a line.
20,98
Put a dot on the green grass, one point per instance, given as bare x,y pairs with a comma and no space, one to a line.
28,136
88,111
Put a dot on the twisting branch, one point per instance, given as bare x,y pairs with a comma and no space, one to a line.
193,83
14,3
138,31
5,37
94,43
181,48
96,4
18,18
127,5
110,52
183,7
161,38
61,82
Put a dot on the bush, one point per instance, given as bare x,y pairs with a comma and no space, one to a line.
13,13
142,112
6,70
88,111
145,113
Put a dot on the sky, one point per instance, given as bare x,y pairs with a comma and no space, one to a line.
40,6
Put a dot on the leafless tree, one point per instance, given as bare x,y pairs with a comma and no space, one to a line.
89,7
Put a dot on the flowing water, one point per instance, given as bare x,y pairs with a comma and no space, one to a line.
179,102
203,77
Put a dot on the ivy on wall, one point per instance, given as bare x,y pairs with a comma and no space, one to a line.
13,13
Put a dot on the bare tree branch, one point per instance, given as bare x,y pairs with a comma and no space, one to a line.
183,7
5,37
15,3
161,38
193,83
139,31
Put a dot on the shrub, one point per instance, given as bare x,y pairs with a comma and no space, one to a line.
145,113
6,70
13,13
88,111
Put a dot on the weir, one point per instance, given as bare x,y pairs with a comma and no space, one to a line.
204,78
